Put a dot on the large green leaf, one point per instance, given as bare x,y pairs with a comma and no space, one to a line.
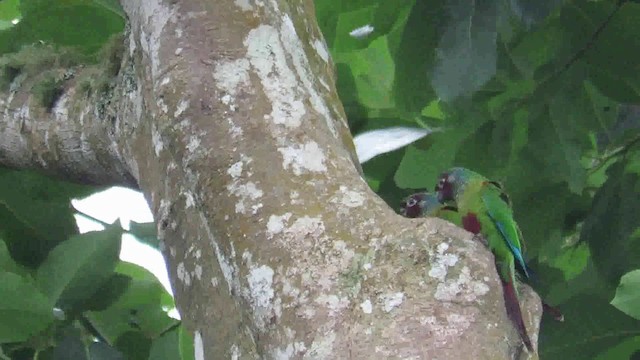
611,228
627,297
7,264
102,351
35,213
416,54
425,160
140,307
145,232
590,326
531,12
166,347
8,11
85,25
71,346
76,268
627,349
134,345
24,310
466,55
617,49
187,348
373,74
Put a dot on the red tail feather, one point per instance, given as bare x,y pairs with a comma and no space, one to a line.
514,313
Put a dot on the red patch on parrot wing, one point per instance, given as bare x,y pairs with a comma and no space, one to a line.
471,224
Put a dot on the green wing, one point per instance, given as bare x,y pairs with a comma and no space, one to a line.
502,217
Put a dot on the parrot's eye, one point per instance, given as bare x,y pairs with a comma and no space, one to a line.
411,202
441,183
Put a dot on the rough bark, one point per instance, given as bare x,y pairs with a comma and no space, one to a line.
226,116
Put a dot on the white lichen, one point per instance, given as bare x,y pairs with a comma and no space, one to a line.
198,272
235,170
198,346
246,192
441,261
464,287
308,157
244,5
182,106
183,274
231,75
154,15
366,306
260,293
333,303
294,46
235,352
322,347
267,57
391,301
348,198
189,200
156,140
276,224
321,49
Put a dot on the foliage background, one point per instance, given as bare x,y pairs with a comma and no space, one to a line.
541,95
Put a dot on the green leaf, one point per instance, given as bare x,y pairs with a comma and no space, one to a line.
102,351
108,293
134,345
24,310
85,25
8,11
415,55
609,54
39,207
111,5
627,349
145,283
531,12
590,326
76,268
610,228
419,169
166,346
373,74
70,347
572,261
466,54
187,349
624,87
7,264
595,32
145,232
427,158
627,297
141,307
538,48
349,21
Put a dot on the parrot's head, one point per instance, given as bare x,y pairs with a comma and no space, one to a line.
450,183
420,204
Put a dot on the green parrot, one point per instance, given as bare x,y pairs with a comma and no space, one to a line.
484,209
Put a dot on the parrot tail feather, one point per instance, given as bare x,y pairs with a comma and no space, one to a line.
514,313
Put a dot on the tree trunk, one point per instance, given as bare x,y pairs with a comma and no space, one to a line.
225,114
